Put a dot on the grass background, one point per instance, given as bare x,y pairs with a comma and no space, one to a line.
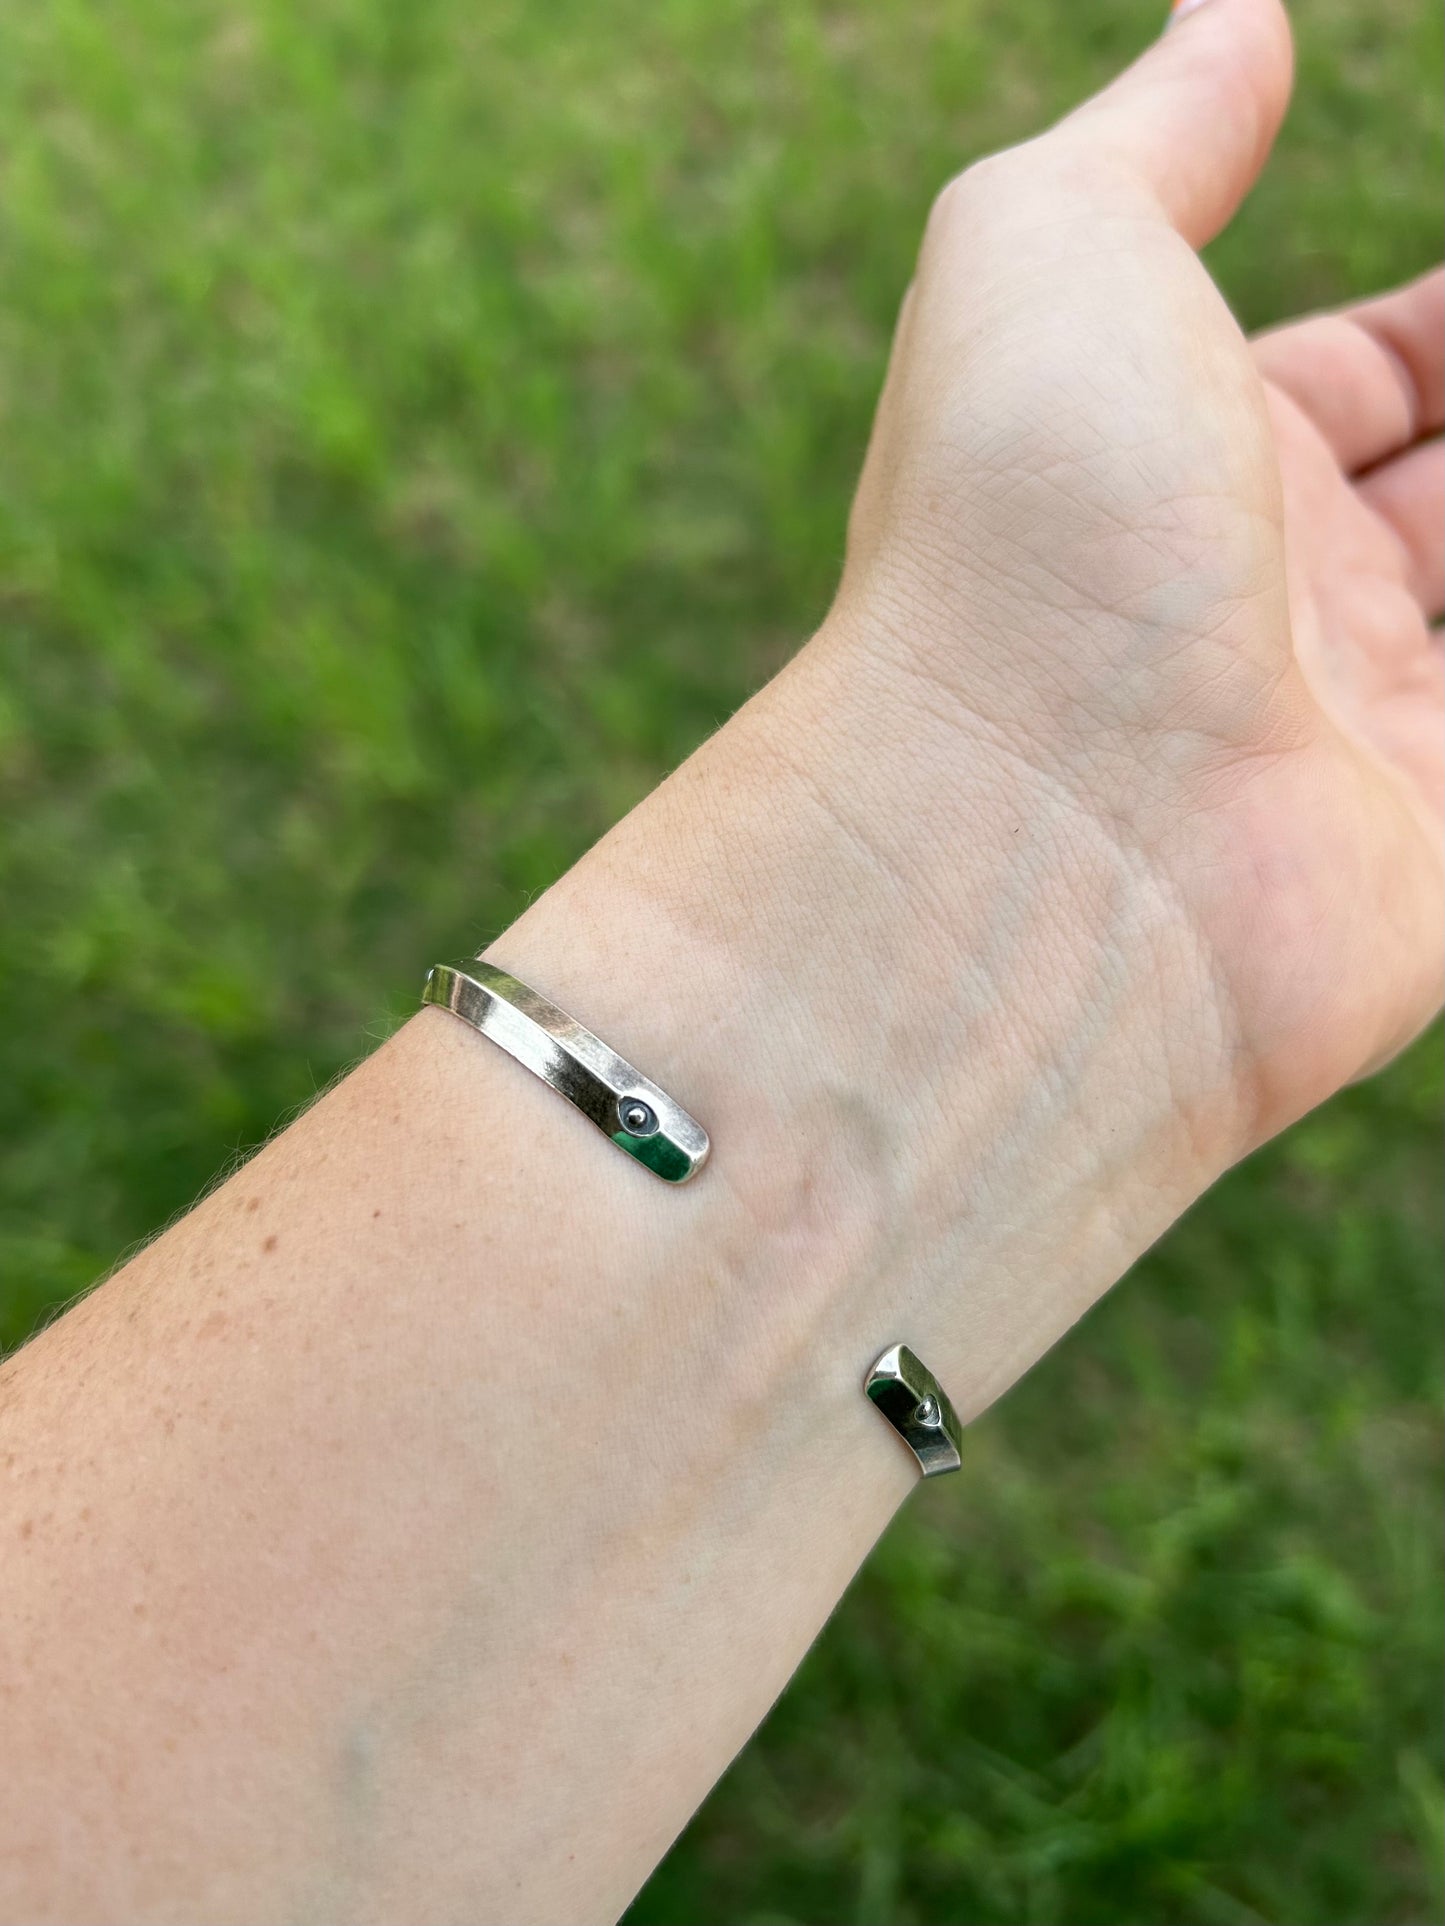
419,424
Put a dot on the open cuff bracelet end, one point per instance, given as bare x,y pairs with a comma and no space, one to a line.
908,1395
625,1106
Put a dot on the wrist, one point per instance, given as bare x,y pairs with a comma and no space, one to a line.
957,1049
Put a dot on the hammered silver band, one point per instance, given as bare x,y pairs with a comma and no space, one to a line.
625,1106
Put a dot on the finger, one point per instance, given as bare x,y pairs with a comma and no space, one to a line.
1371,377
1196,115
1408,494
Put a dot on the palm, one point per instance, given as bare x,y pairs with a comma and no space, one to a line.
1354,400
1357,402
1265,714
1324,909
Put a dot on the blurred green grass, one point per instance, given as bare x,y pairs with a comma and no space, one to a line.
418,426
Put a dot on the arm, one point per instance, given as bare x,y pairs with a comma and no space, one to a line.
417,1529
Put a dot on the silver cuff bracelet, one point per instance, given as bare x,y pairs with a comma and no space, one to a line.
658,1133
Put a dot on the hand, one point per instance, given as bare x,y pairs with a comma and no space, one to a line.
1095,836
1197,599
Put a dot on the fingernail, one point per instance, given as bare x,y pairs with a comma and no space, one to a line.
1179,9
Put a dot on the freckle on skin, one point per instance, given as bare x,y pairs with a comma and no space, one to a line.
269,1243
253,1203
27,1528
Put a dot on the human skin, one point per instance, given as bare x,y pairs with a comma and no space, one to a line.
416,1530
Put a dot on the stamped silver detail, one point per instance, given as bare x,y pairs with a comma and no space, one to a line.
638,1118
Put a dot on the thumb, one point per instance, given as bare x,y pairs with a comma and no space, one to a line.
1195,117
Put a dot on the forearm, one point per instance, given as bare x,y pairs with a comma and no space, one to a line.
416,1530
419,1527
